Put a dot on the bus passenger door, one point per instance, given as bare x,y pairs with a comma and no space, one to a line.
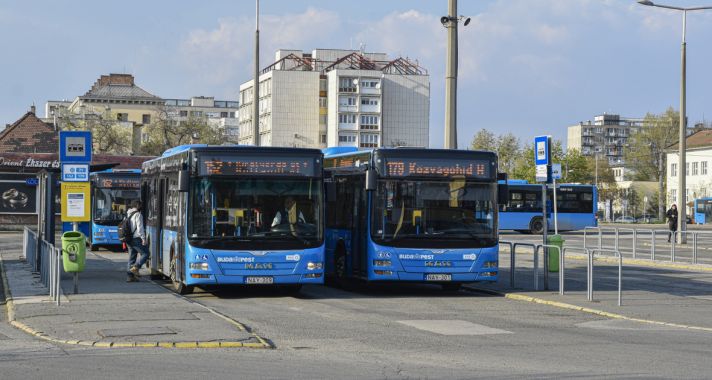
163,263
359,248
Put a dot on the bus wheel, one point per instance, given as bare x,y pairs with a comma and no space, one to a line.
178,285
450,287
536,226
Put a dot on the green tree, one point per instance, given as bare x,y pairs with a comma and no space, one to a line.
167,132
508,151
484,140
108,135
646,152
575,167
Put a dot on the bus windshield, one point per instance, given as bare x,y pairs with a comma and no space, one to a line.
256,213
110,205
434,214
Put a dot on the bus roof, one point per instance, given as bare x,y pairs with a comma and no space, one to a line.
117,171
346,151
236,148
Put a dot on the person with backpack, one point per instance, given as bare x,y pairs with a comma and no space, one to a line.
134,236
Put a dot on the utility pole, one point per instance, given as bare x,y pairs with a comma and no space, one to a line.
256,81
451,77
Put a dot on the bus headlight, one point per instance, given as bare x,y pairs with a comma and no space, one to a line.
490,264
199,266
314,266
488,274
381,263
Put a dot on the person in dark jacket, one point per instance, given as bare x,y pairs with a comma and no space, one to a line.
672,222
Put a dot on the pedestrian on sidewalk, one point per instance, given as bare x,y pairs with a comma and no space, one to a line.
672,222
138,252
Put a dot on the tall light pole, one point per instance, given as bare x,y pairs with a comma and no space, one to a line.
682,144
256,81
450,23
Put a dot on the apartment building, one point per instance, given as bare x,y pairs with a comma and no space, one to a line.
332,97
698,169
221,114
606,137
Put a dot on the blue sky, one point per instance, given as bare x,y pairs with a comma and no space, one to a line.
526,66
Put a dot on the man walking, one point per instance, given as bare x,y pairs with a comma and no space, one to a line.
672,222
137,244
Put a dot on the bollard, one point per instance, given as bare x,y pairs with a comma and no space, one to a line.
694,247
652,246
635,243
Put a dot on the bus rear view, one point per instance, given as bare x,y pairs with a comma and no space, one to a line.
417,215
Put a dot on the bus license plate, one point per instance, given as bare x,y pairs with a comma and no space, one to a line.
259,280
438,277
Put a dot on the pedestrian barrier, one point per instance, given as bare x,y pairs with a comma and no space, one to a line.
562,266
610,238
47,262
511,261
589,272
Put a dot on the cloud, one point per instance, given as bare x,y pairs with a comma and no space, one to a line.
225,53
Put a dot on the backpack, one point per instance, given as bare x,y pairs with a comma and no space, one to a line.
125,233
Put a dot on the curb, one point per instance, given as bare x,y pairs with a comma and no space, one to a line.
10,306
568,306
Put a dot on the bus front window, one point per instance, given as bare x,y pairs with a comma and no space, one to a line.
278,213
110,205
450,213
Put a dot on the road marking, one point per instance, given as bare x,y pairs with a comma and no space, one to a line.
452,327
622,324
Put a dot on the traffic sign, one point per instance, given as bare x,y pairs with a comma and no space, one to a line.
75,202
75,146
542,150
556,171
75,172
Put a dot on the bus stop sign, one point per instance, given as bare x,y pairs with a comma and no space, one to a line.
75,147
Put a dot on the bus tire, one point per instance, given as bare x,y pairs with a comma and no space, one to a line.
536,226
178,285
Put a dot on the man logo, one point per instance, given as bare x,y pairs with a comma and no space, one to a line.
258,266
439,264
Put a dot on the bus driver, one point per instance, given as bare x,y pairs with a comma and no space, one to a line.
290,209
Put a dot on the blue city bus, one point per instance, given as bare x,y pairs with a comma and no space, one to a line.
703,210
576,206
112,192
410,214
235,215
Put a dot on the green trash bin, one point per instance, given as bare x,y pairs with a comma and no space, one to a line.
554,253
73,251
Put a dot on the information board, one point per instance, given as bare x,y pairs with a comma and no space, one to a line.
75,202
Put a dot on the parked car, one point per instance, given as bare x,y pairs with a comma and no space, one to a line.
625,219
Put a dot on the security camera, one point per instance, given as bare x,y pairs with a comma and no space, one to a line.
444,20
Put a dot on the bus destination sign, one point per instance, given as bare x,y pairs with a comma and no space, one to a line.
119,182
437,167
230,165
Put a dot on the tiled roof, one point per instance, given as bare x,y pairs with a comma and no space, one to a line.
29,134
699,139
124,162
119,91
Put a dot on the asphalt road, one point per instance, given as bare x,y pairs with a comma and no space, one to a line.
381,331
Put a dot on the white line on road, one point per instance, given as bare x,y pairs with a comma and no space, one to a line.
453,327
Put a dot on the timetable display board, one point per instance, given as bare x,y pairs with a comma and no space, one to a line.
118,181
437,167
224,164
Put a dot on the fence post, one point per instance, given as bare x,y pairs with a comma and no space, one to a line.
620,279
672,246
635,243
536,268
694,247
652,246
589,275
562,263
600,237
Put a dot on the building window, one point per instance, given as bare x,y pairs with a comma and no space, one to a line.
673,170
347,118
323,102
183,113
703,168
694,168
322,119
346,84
196,113
673,195
369,101
347,101
223,114
369,140
122,117
370,83
369,122
146,119
347,138
323,138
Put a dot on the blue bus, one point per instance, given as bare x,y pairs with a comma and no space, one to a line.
235,215
576,206
410,214
703,210
112,192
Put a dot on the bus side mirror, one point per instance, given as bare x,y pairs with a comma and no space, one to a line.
502,193
183,178
370,179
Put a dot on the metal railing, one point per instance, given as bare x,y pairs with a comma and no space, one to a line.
535,251
47,261
589,273
619,234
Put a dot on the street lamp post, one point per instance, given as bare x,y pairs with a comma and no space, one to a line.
682,211
450,23
256,82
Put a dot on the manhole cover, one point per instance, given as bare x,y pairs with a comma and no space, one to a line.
136,331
